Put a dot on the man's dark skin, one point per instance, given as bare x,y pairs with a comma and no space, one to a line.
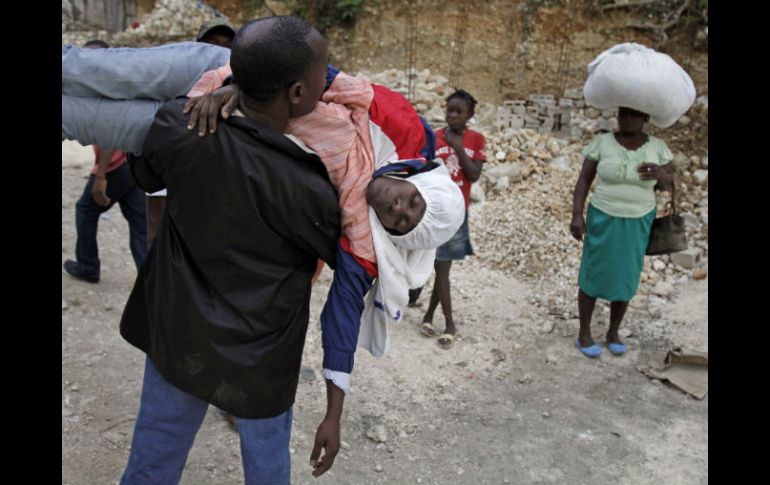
630,135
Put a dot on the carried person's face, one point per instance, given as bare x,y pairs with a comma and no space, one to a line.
398,204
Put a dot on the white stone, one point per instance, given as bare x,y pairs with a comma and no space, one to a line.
700,176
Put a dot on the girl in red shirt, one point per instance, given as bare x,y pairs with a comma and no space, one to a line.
462,151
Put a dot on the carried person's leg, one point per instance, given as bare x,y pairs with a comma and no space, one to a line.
164,433
265,449
158,73
108,123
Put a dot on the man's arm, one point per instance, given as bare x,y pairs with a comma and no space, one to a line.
99,189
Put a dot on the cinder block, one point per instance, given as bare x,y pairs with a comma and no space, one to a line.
566,102
686,258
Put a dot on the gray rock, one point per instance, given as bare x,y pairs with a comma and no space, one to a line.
378,468
502,184
680,161
64,305
547,327
700,177
525,379
551,359
663,288
377,433
477,193
684,120
658,265
307,373
687,258
704,162
560,163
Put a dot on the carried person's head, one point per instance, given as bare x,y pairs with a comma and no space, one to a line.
217,31
280,59
96,44
420,211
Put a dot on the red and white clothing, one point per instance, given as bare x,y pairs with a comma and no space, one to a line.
473,142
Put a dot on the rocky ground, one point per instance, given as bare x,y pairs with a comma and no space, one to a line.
512,402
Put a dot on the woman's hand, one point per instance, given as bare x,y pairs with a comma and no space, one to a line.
649,171
577,227
206,108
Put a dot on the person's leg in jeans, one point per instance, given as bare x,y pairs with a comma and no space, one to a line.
164,433
265,449
132,205
87,213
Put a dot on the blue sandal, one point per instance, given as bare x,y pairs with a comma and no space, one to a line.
617,349
590,351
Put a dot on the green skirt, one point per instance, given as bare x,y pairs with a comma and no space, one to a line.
613,254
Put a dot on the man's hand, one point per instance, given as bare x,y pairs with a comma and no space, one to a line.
206,108
99,192
328,438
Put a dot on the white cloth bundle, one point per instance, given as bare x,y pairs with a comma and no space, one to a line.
634,76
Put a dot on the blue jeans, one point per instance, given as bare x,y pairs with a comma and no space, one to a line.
166,427
121,188
110,96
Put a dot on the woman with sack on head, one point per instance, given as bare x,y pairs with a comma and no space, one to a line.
630,164
643,85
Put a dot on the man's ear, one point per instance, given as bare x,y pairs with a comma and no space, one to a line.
296,92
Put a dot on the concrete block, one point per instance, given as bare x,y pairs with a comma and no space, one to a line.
686,258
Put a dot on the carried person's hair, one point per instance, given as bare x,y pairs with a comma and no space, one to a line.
265,63
96,42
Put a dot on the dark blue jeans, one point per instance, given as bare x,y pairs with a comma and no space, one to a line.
121,188
165,430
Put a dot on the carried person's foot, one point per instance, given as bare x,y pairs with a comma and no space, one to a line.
73,269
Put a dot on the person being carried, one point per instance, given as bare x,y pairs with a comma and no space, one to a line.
359,130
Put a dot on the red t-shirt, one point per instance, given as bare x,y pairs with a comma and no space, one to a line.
118,159
473,142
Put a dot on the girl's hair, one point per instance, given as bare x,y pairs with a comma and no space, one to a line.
465,96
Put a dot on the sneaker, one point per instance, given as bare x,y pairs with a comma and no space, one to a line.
74,270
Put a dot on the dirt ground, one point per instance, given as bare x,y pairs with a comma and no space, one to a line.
513,401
